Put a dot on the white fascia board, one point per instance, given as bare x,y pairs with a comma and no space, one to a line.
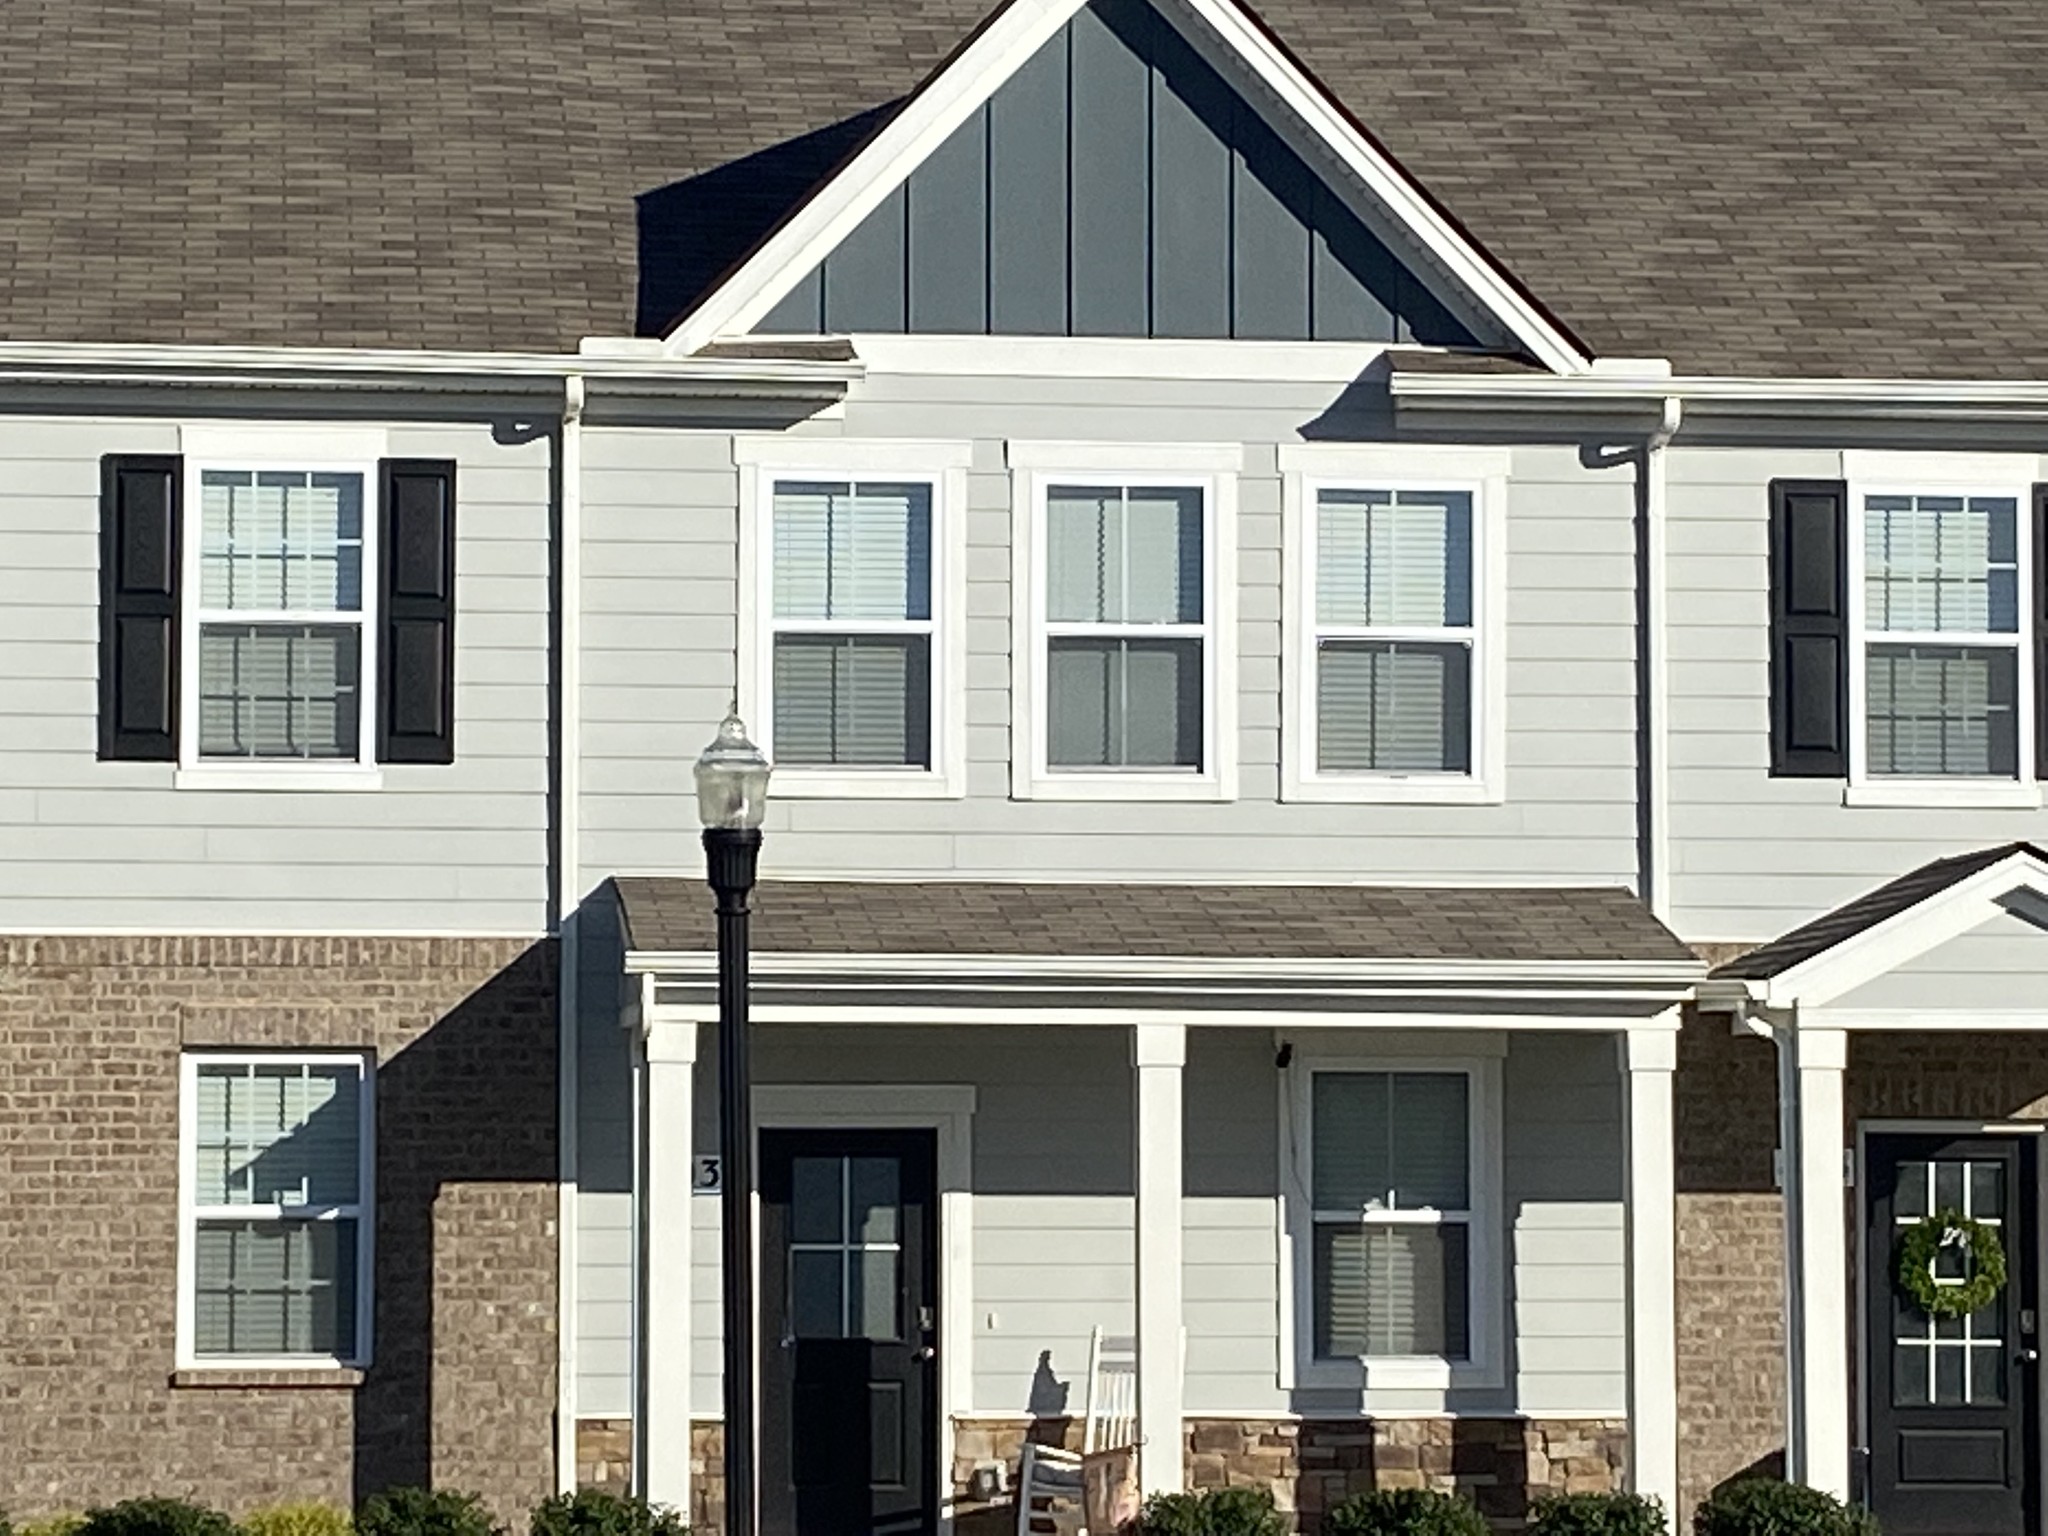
120,363
1119,357
979,70
1192,969
1863,957
1647,390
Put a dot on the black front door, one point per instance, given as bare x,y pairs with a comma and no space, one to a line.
849,1325
1952,1423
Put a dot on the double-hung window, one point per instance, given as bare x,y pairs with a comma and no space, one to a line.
1128,674
1946,687
1395,675
277,1177
1398,1185
851,564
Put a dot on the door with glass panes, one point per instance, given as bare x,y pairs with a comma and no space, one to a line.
1951,1398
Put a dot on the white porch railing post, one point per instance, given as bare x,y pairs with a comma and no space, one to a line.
1158,1052
1820,1236
663,1469
1652,1057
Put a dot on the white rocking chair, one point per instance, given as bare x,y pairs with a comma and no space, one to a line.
1049,1476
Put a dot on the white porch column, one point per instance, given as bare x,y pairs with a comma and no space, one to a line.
662,1446
1652,1056
1819,1345
1158,1052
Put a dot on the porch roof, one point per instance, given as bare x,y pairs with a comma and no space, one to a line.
1047,919
1813,939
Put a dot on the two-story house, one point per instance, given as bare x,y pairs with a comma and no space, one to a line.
1405,653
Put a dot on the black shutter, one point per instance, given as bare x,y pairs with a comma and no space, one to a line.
416,666
139,496
2040,579
1809,629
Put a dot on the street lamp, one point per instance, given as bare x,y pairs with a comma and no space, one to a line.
732,794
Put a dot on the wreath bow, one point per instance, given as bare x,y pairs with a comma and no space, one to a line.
1922,1243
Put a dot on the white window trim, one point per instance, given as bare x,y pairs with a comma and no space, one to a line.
942,466
1886,790
190,1214
260,446
1210,468
1487,1302
1481,473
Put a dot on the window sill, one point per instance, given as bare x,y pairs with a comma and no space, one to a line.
1926,794
1414,1373
799,784
1394,789
220,1377
1126,786
354,778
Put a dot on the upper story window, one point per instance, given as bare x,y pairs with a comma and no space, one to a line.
276,1179
277,608
1940,626
854,647
1124,675
1393,624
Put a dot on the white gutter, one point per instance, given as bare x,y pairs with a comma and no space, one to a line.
1539,391
987,969
97,363
1657,725
568,954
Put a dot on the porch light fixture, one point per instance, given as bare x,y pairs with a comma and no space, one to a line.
732,797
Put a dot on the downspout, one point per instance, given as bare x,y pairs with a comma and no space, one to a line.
568,858
1657,725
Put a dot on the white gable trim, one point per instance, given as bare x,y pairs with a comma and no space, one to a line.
1882,948
978,71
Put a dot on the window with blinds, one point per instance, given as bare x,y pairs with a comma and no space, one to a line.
1126,628
1393,633
278,1176
851,618
1390,1180
1941,635
281,614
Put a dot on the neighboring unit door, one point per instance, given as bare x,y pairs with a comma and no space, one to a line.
849,1333
1952,1421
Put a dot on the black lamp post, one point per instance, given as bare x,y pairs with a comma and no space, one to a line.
732,792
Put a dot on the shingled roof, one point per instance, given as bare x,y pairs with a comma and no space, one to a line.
1833,187
1284,922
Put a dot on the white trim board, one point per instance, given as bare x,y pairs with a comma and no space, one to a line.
1002,47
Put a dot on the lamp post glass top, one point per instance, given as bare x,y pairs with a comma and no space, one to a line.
732,779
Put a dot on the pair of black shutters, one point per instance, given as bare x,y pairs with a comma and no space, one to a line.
1811,635
141,531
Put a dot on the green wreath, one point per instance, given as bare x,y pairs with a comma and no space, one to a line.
1922,1243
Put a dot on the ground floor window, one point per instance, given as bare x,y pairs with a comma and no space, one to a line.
276,1190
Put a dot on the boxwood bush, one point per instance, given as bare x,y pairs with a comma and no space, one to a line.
1600,1514
305,1517
1212,1512
156,1517
425,1512
593,1512
1406,1512
1760,1506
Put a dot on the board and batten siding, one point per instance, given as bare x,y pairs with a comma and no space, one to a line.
1054,1249
660,593
96,845
1753,856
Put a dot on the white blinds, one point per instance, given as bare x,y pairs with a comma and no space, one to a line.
279,691
1393,1290
1390,1141
275,1289
1946,564
284,1134
1124,703
1936,710
851,580
1393,706
1387,559
275,540
1117,555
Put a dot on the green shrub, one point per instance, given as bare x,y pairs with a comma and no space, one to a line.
1600,1514
1760,1506
156,1517
1213,1512
52,1525
593,1512
425,1512
1406,1512
307,1517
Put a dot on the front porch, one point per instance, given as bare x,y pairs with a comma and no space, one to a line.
1372,1218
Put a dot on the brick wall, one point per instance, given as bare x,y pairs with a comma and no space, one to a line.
1731,1259
461,1392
